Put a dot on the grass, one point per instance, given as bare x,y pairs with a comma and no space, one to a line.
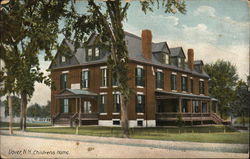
210,134
6,124
240,120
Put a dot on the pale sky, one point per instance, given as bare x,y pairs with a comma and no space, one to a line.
215,29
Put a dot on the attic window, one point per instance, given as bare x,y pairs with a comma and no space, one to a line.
89,52
63,59
165,58
179,61
97,52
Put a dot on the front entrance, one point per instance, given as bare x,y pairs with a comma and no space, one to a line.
87,107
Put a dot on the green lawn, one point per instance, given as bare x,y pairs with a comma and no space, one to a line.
240,120
211,134
6,124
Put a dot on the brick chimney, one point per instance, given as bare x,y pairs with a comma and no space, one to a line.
146,36
191,59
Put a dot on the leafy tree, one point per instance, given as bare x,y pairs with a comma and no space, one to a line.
240,106
27,28
106,19
34,110
223,80
16,106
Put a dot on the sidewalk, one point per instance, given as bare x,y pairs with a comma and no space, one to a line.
170,145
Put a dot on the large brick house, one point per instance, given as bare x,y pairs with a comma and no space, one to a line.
164,82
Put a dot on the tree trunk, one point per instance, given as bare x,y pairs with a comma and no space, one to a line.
23,111
10,114
124,117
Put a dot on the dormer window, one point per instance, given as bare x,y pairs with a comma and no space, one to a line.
179,62
165,59
89,52
97,52
63,59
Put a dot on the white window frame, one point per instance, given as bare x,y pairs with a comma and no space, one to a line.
90,52
166,59
97,50
63,59
105,68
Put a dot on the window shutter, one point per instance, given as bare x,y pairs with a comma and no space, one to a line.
107,77
143,77
88,79
66,81
162,78
136,81
61,81
143,103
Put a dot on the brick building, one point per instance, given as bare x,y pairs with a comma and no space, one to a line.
164,82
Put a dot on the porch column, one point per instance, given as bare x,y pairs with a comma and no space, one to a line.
200,103
180,102
76,106
80,110
216,107
191,105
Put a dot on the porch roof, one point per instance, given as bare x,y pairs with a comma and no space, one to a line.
75,93
171,95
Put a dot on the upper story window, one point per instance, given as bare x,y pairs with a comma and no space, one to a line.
159,79
166,59
139,76
201,87
97,52
173,82
85,79
63,59
103,103
192,85
114,82
117,102
184,83
93,54
140,103
104,76
63,80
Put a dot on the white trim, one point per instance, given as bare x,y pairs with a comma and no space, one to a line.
103,93
103,114
201,79
85,69
139,87
191,77
202,94
159,70
114,86
174,90
116,92
184,75
116,114
65,72
173,73
184,91
103,67
139,113
139,66
141,93
132,123
159,89
153,70
104,87
116,119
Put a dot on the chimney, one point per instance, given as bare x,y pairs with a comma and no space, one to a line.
146,36
191,59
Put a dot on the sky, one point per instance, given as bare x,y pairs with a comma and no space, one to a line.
215,29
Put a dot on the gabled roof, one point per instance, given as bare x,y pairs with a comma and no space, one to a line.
198,62
177,51
158,47
73,93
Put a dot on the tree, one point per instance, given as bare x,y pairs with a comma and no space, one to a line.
240,106
106,19
28,28
16,103
37,110
223,80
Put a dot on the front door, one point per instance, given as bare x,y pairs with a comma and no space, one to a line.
87,107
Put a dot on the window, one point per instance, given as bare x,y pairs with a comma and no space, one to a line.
159,80
139,123
63,59
139,76
65,106
89,54
173,82
103,103
97,52
117,103
184,83
192,85
140,103
85,79
201,86
196,106
104,77
63,80
165,58
116,122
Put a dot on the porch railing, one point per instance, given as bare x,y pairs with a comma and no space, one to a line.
185,116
